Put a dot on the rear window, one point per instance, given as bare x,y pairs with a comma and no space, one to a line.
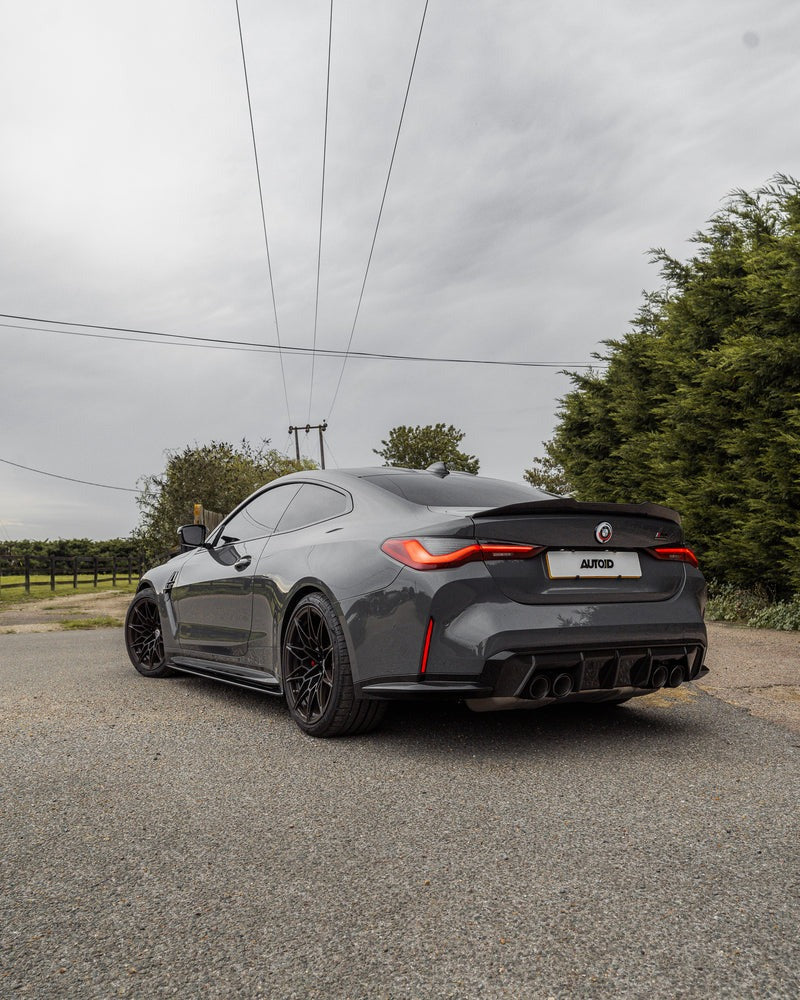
313,504
456,490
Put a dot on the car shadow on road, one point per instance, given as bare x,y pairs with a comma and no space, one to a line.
450,729
575,728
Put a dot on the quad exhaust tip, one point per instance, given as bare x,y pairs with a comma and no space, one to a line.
562,686
539,687
676,676
659,677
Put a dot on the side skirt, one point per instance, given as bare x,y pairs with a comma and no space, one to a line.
241,677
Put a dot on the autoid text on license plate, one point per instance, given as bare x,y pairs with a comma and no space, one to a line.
593,565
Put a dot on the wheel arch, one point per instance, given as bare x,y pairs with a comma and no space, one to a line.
303,589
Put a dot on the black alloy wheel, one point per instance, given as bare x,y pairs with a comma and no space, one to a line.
144,639
317,679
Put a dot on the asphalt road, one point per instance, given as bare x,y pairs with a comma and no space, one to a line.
180,838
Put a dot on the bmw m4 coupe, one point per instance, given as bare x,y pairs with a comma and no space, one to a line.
343,590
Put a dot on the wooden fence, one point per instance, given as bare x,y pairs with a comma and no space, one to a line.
210,518
64,571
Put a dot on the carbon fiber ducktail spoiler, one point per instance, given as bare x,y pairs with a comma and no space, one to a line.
566,505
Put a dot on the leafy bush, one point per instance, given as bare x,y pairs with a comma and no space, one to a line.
784,615
698,405
66,548
219,475
753,608
727,603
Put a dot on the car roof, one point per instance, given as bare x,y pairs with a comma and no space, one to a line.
335,476
436,487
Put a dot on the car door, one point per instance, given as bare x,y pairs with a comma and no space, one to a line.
284,561
212,597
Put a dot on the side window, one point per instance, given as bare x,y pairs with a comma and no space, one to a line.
312,505
261,516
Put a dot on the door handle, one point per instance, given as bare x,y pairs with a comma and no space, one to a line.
243,563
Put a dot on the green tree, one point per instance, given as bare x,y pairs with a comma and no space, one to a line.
547,475
419,447
699,406
219,475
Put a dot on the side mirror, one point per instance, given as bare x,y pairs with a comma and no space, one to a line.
192,536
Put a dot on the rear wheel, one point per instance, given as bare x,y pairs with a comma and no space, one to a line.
144,638
317,679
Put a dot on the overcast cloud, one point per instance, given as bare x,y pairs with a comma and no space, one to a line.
546,146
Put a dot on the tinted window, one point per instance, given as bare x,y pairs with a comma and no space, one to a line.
313,504
455,490
260,517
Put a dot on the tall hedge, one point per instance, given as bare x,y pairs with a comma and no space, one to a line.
699,407
65,548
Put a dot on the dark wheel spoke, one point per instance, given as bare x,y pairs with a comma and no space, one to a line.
304,630
143,635
317,676
309,663
298,652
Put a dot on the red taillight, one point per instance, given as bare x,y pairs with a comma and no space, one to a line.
681,554
413,552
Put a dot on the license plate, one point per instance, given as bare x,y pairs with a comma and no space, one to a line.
593,565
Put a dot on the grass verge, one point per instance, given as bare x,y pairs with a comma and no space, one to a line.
15,594
101,621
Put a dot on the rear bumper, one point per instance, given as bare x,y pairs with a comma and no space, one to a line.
485,645
589,674
606,668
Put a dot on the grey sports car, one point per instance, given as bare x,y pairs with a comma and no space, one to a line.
344,590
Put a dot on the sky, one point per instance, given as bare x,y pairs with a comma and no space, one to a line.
545,147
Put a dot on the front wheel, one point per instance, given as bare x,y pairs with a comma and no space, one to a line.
317,679
143,636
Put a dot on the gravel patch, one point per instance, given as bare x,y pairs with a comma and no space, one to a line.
45,615
756,669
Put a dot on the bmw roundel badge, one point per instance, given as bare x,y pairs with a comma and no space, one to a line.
603,532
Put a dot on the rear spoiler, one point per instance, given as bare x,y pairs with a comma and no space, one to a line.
566,505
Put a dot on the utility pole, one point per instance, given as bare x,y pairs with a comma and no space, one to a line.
310,427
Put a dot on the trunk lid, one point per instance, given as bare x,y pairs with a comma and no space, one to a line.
576,566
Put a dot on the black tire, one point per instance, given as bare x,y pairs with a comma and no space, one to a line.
144,638
317,679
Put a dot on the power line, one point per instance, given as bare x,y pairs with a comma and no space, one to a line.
249,346
263,214
255,349
321,206
69,479
380,211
